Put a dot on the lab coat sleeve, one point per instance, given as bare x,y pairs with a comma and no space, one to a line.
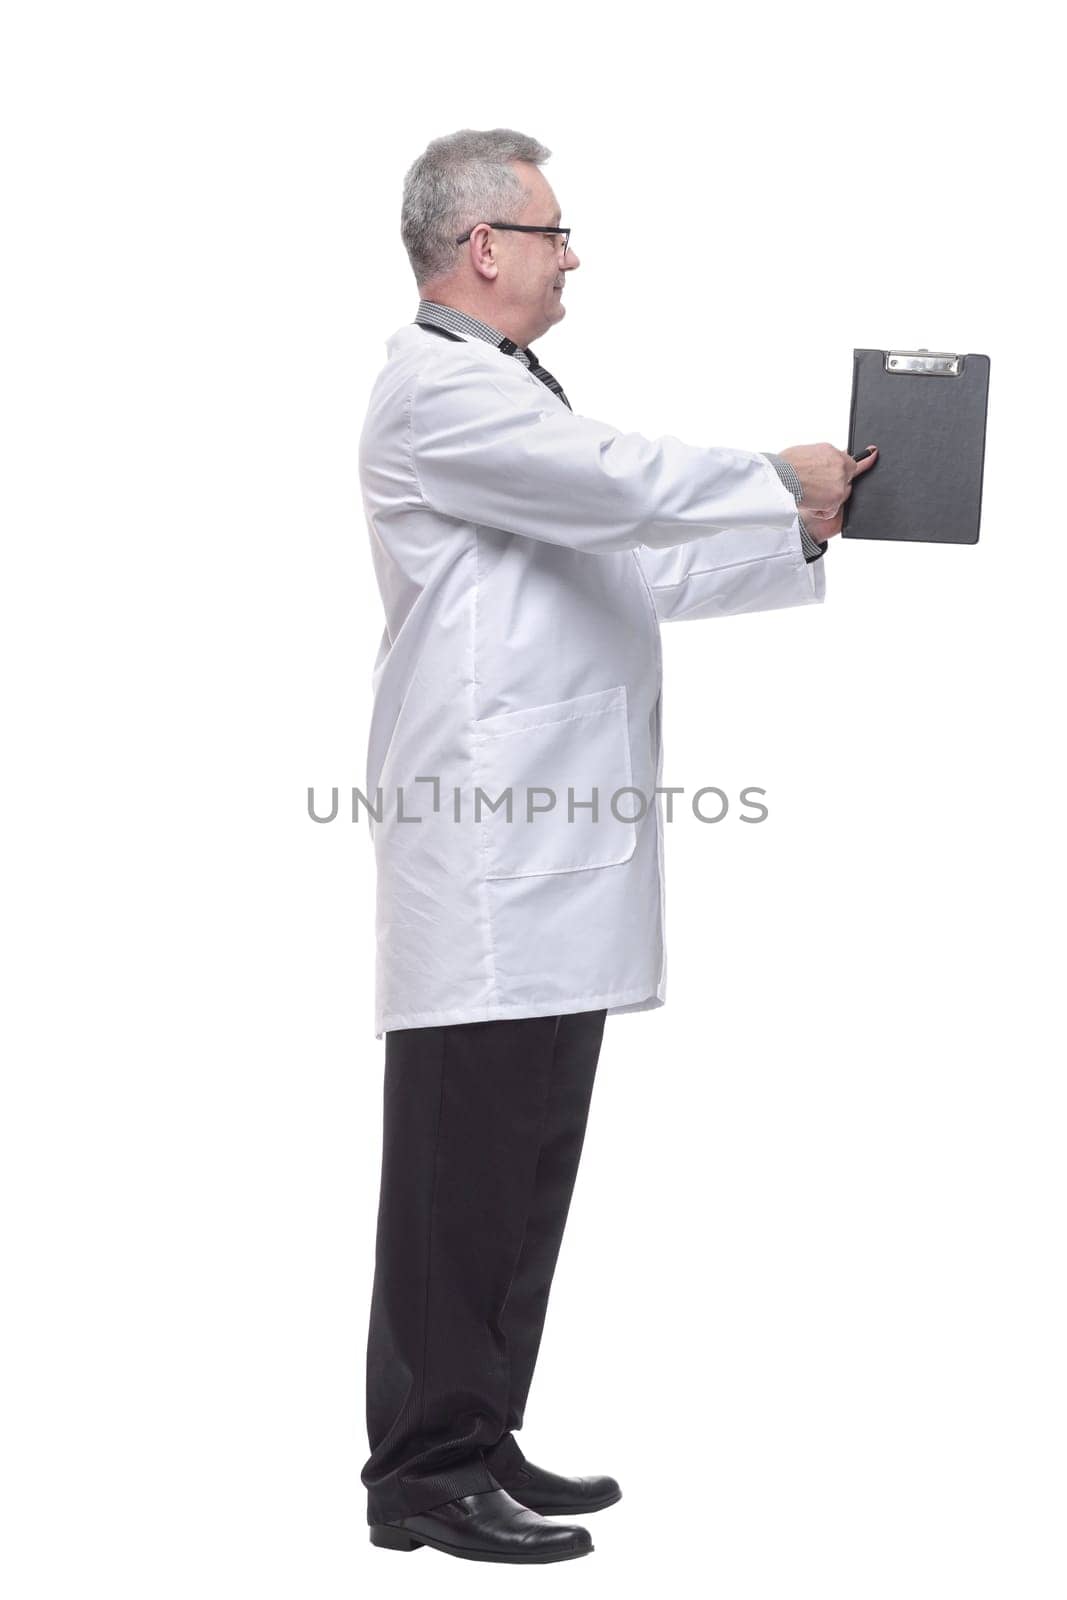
500,451
736,570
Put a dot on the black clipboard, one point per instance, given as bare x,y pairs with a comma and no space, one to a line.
926,412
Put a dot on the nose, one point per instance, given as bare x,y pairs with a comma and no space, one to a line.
571,260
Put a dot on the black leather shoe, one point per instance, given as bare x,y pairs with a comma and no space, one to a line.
488,1526
553,1496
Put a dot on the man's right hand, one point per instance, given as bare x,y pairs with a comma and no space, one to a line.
825,474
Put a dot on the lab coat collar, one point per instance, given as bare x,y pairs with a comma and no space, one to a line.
411,339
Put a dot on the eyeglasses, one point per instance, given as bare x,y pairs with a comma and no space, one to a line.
520,227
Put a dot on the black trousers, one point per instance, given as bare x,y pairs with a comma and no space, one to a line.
482,1134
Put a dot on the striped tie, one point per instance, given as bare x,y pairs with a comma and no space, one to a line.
509,348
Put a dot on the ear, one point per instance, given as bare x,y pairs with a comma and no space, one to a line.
483,253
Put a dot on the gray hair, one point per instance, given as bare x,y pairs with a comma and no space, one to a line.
459,180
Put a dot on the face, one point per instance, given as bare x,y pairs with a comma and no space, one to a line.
533,266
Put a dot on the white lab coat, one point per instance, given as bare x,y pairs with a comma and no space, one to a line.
526,556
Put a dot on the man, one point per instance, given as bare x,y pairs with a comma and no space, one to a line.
525,555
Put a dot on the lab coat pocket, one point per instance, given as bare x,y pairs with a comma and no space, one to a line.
563,763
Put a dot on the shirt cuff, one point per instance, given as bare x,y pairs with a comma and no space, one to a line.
813,549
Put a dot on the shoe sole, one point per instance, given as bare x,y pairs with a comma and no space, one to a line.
386,1537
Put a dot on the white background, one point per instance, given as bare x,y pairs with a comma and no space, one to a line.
810,1305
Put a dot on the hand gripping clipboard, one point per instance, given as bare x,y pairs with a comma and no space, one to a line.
926,412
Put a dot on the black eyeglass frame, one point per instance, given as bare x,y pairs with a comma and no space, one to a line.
520,227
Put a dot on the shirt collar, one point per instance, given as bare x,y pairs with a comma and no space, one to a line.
459,322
